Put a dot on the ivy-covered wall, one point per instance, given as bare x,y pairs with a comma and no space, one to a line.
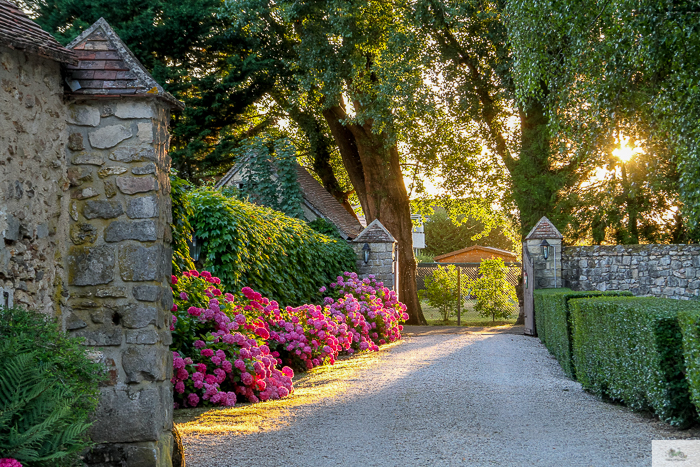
279,256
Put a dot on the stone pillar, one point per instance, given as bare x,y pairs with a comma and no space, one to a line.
382,261
117,271
538,272
547,272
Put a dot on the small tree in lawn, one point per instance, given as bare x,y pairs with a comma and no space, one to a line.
495,296
441,290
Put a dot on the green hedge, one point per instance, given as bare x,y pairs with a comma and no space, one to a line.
690,327
630,350
279,256
553,323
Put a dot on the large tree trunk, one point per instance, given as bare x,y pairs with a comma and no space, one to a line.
536,184
375,171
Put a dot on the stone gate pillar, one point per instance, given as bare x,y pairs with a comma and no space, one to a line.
540,272
118,260
381,257
547,271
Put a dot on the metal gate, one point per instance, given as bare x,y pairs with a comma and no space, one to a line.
467,272
528,297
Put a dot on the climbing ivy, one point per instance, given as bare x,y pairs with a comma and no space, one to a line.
180,226
270,175
279,256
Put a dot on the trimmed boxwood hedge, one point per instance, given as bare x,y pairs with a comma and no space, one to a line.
631,350
553,324
689,321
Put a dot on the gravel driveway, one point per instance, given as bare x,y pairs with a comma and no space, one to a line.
442,398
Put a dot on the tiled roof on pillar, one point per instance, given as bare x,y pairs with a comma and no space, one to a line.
544,229
375,233
107,68
18,31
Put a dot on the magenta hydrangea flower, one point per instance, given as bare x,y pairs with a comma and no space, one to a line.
268,341
193,399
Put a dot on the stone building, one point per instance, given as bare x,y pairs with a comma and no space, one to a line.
33,137
85,216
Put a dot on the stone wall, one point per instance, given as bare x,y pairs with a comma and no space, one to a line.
381,262
32,178
117,271
670,271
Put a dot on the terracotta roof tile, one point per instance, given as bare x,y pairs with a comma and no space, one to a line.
107,67
314,193
544,229
315,197
375,233
18,31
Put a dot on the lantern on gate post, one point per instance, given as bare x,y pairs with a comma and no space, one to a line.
195,246
545,249
365,252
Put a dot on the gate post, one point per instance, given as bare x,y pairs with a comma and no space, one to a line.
117,284
541,266
378,247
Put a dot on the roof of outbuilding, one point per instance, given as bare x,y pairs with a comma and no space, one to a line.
315,197
314,193
108,68
18,31
544,229
478,247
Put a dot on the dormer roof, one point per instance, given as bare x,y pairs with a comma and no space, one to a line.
18,31
107,68
544,229
316,198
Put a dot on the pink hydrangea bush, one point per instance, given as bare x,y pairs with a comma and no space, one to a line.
6,462
219,354
372,312
228,348
305,337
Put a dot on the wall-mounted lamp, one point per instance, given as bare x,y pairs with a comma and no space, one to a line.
365,252
545,249
195,246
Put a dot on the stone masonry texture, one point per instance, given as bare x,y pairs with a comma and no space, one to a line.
85,236
670,271
33,137
380,264
117,271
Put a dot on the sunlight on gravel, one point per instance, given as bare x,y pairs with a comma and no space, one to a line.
323,382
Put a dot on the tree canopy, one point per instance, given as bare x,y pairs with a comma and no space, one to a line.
606,68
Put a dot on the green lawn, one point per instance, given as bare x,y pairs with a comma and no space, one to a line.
469,316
